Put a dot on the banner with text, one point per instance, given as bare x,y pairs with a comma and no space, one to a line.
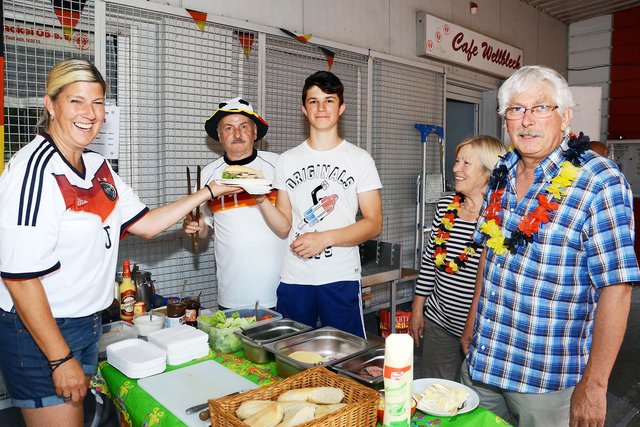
441,39
33,35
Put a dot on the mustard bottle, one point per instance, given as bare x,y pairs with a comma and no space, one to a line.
127,293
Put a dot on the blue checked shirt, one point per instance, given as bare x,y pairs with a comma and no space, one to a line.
534,323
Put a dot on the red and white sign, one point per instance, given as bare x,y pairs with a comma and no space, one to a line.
450,42
35,35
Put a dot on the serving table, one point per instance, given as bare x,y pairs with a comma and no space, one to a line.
138,408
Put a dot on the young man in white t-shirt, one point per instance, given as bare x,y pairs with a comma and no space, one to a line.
321,185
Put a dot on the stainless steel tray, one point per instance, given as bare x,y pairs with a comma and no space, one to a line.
253,337
353,366
332,344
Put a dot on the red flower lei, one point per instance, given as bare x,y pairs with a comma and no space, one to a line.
442,236
530,223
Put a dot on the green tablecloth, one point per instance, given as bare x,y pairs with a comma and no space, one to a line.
137,408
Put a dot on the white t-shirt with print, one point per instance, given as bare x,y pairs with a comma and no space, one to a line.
248,253
323,188
63,227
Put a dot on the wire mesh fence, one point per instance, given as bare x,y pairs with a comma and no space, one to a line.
166,77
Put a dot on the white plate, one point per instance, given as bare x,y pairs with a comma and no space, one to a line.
420,385
245,181
256,189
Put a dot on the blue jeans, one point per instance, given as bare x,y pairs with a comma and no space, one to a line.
26,370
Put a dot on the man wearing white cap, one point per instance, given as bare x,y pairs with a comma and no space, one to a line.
242,235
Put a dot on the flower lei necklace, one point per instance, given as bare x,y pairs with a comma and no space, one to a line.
443,235
531,222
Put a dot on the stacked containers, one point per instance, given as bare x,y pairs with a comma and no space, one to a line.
136,358
181,343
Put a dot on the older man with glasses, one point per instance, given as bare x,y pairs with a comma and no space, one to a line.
554,285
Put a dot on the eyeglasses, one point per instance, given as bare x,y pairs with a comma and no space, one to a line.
538,111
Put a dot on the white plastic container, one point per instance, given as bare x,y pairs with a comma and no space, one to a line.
147,324
182,343
398,380
136,358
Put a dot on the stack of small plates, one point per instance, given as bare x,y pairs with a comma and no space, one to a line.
181,343
136,358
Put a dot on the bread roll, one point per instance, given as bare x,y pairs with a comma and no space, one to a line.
251,407
301,415
323,395
322,410
292,407
270,416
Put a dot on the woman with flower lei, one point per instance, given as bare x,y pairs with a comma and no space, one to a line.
445,286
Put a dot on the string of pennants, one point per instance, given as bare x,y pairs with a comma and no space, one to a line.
69,12
246,39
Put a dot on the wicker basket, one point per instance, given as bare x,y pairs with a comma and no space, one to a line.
362,402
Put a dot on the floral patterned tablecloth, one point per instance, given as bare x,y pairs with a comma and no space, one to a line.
138,408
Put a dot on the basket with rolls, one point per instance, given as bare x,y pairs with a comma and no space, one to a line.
313,397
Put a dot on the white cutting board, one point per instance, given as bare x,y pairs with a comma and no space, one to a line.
189,386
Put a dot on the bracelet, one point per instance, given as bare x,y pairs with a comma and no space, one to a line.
54,364
210,191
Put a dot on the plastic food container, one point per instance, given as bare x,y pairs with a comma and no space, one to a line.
147,324
136,358
253,337
264,314
114,332
225,340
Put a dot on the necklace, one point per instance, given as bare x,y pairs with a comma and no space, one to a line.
443,235
531,221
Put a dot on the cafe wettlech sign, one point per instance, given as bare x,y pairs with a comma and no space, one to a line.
441,39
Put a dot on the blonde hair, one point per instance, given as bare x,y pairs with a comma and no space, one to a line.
65,73
489,150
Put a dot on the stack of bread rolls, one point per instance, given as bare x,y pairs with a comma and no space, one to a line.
292,407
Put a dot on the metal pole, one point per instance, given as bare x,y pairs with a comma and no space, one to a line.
425,130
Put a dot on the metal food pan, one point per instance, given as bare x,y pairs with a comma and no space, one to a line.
253,337
353,366
332,344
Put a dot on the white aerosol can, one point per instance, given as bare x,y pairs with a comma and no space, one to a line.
398,380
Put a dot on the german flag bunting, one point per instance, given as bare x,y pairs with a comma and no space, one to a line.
302,39
246,41
329,54
68,13
199,17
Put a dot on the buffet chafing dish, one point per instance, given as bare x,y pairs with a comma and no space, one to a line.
332,344
355,367
254,337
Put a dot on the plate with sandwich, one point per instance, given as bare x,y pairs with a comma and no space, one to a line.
251,180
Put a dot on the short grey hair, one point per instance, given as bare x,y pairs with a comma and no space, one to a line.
527,77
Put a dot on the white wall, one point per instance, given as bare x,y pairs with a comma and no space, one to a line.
388,26
590,60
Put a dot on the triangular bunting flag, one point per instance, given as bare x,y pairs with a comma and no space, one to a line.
246,41
199,17
303,38
329,54
68,13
